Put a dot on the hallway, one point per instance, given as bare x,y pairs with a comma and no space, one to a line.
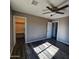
19,49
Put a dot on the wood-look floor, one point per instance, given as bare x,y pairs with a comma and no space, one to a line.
47,49
19,50
44,49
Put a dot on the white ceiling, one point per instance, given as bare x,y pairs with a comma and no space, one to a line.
26,6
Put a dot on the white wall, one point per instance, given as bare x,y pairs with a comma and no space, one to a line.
49,29
63,30
12,40
36,29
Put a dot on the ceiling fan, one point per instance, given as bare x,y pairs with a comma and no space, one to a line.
55,9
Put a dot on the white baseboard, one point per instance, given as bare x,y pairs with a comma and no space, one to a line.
35,40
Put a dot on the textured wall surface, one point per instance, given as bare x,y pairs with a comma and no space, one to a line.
36,28
63,30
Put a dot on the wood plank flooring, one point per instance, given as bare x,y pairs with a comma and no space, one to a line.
19,50
47,49
44,49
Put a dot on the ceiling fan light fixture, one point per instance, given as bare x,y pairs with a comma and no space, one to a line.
51,15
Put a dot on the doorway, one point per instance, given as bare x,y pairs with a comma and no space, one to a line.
54,30
20,28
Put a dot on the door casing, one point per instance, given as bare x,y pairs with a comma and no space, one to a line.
14,27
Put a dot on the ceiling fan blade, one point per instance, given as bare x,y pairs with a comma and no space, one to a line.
59,12
51,5
63,7
50,9
47,12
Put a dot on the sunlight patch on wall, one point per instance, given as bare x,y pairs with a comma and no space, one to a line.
46,50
